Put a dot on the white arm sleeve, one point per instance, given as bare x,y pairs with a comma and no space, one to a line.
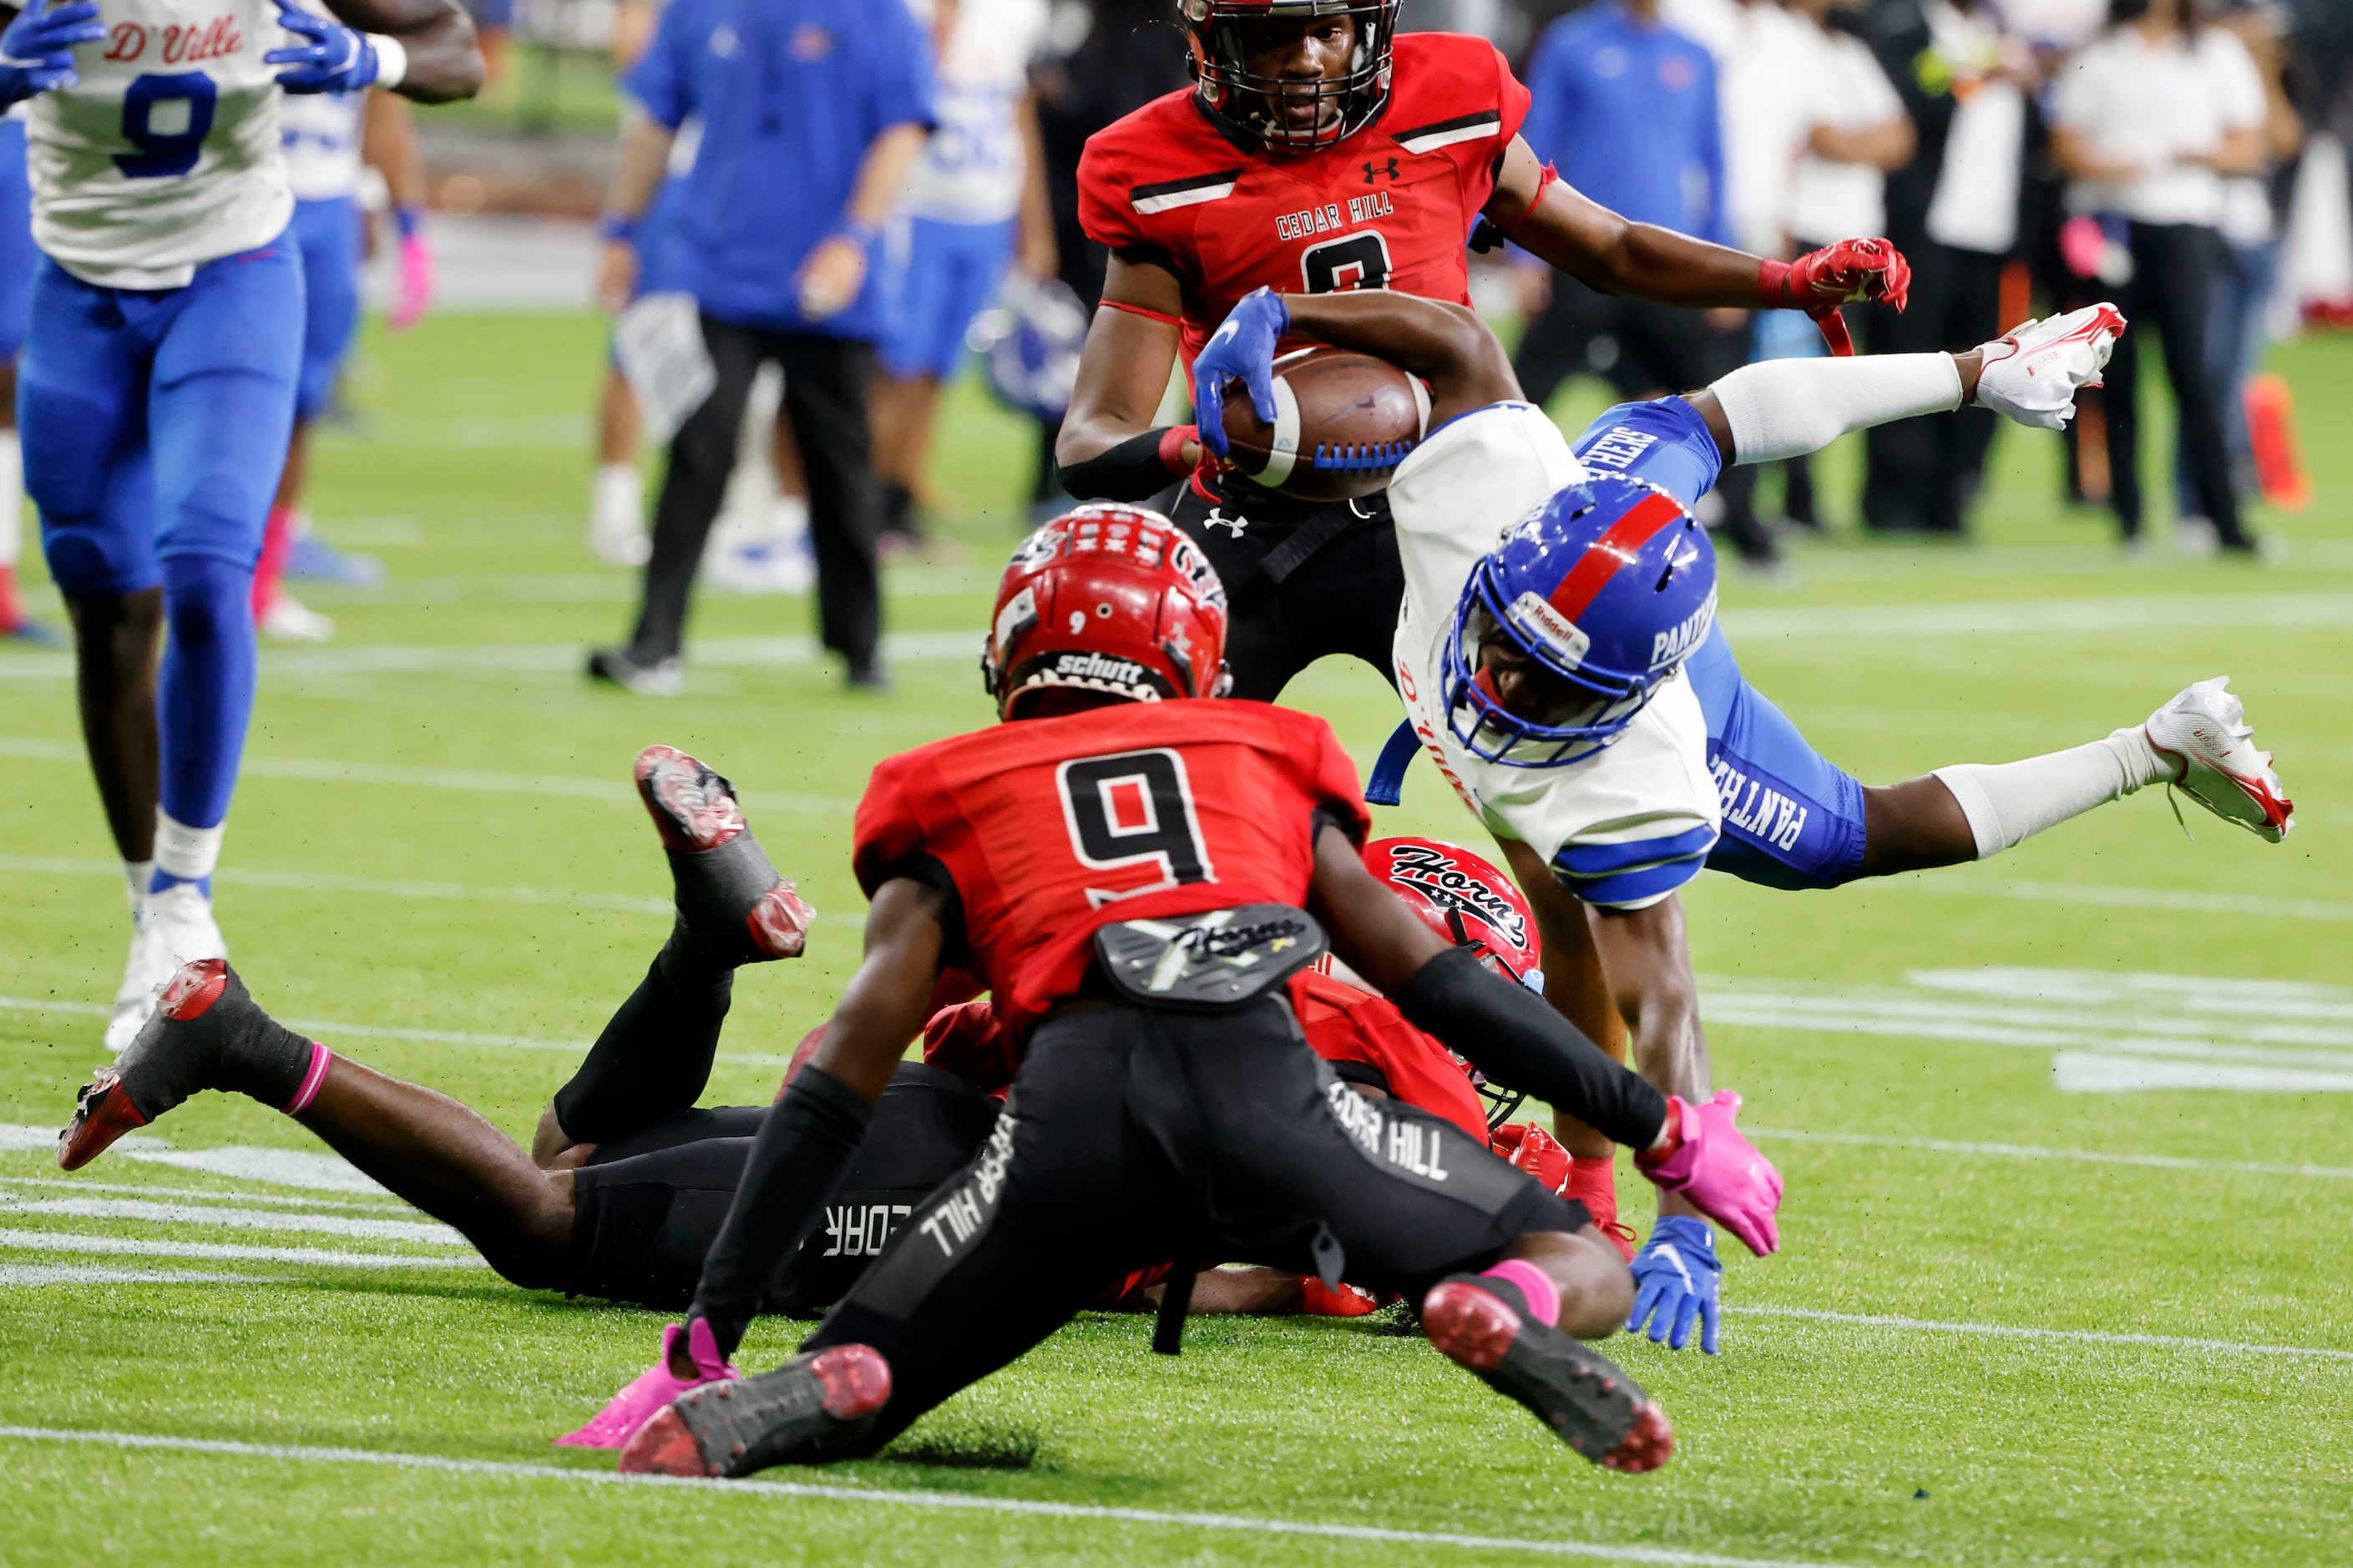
1787,408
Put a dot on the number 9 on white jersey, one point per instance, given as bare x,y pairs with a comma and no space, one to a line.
166,155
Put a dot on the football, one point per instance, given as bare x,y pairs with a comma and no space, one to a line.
1344,421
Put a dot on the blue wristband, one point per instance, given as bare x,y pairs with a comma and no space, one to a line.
408,220
614,226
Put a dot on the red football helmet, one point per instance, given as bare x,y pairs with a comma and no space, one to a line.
1465,899
1245,99
1107,598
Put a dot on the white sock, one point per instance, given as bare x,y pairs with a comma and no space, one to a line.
136,876
617,500
1788,408
187,853
2009,803
12,499
789,522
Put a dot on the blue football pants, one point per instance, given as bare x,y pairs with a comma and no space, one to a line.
155,423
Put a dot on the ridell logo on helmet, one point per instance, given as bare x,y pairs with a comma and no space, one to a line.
1557,632
1669,647
1437,878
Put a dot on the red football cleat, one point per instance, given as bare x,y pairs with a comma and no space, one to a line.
729,897
812,1409
1482,1324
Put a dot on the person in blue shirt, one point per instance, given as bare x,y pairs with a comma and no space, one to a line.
812,111
1625,108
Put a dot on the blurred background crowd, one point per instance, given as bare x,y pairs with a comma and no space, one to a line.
2183,158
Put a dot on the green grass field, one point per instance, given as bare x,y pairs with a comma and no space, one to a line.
2064,1277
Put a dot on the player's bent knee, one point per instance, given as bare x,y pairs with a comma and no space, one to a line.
1600,1293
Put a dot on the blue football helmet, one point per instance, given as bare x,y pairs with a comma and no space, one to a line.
1607,587
1028,341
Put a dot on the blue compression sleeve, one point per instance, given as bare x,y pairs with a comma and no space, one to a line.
1664,441
205,695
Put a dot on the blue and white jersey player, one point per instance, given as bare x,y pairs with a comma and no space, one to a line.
158,381
1560,663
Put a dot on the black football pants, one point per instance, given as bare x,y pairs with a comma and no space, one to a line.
825,399
647,1207
1132,1137
1302,579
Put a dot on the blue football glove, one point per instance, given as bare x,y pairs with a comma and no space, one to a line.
1676,1278
1241,349
36,51
335,59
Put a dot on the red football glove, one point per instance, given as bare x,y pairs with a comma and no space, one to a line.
1530,1148
1846,273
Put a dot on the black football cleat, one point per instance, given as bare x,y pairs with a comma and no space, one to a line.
810,1410
1483,1325
206,1031
731,902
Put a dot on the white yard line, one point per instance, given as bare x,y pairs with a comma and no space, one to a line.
2039,618
1962,886
949,1501
326,1030
201,1194
125,1246
368,887
563,659
2038,1151
2011,1332
276,1221
480,782
99,1274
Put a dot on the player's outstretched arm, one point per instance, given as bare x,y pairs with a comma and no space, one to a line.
431,58
1109,448
1510,1033
1551,220
1786,408
1446,345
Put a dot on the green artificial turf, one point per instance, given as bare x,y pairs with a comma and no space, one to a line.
434,834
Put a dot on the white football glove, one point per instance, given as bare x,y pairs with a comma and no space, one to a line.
2032,371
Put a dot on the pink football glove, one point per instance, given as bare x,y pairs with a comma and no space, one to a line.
415,288
1721,1172
1846,273
653,1389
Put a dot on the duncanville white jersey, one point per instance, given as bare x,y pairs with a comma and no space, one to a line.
167,154
1645,799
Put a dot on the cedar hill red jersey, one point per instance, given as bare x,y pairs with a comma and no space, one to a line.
1051,828
1388,208
1356,1029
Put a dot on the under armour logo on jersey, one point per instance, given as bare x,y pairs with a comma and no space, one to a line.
1217,519
1379,171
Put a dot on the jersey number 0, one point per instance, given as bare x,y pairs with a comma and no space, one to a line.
1132,810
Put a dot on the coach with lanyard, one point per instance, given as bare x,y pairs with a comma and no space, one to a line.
811,112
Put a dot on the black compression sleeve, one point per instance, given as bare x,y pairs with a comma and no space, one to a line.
1512,1035
1133,471
795,1165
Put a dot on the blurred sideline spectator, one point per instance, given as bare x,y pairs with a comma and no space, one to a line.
2146,122
812,111
1626,107
1857,133
1955,211
2252,222
975,204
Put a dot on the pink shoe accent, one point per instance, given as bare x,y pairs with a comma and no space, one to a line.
1723,1172
320,1058
193,987
650,1393
1543,1295
780,922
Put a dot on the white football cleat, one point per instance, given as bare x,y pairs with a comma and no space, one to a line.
2205,730
142,979
288,619
182,915
2032,371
